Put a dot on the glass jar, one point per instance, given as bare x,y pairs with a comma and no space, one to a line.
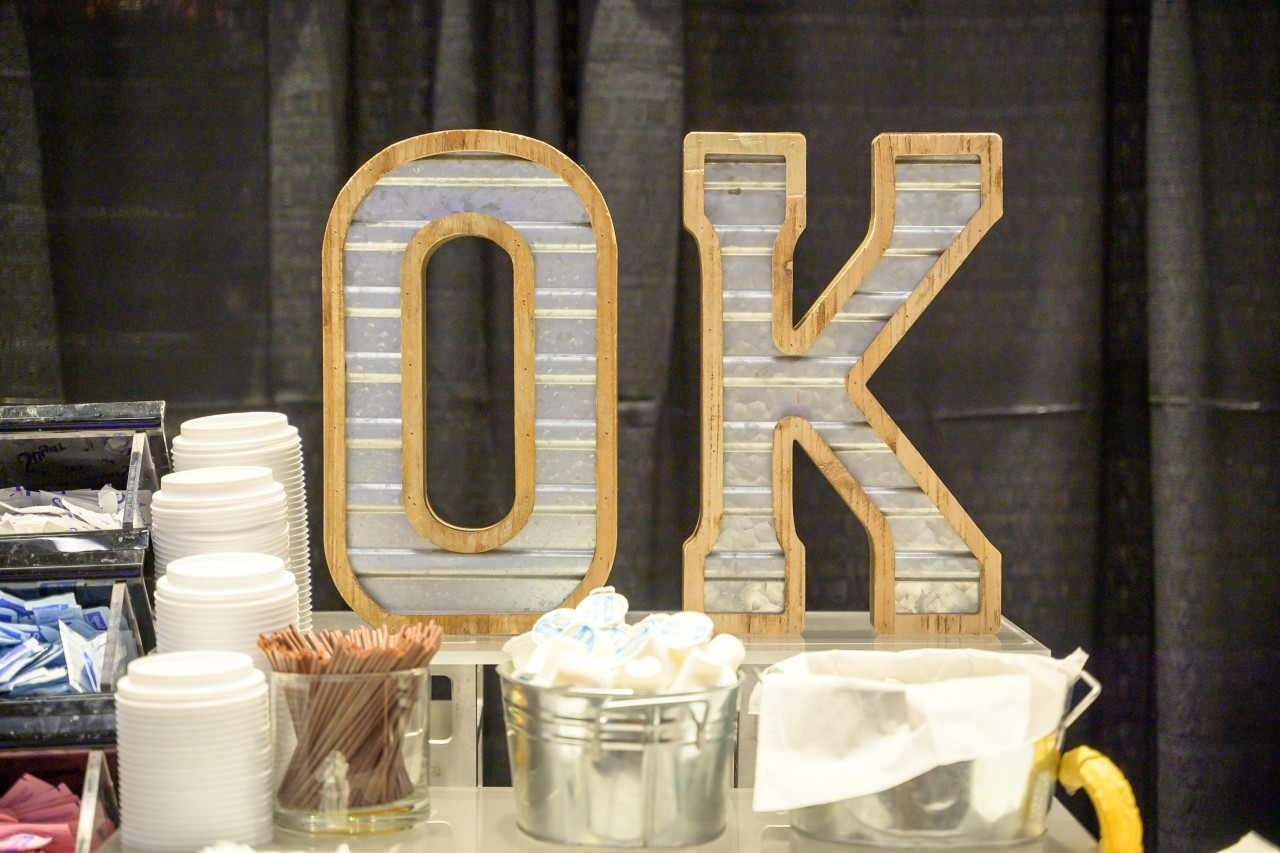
351,751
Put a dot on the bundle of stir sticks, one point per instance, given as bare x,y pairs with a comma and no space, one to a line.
350,750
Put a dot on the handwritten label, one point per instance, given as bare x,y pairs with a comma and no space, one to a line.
32,458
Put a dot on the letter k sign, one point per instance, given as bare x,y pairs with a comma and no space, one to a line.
768,385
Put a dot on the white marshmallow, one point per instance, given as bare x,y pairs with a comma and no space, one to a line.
646,674
519,648
700,671
576,669
544,662
540,667
727,649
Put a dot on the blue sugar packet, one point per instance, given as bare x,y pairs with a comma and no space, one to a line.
50,633
81,627
97,617
11,634
73,648
51,656
89,676
61,599
16,659
13,604
55,687
49,615
47,609
8,616
83,658
38,677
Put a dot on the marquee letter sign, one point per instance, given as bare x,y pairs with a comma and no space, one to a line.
392,556
768,385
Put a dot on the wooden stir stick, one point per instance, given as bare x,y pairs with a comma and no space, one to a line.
350,732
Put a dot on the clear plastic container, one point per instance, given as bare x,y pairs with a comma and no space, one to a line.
85,771
351,751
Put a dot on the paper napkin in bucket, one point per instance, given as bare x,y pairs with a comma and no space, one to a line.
835,725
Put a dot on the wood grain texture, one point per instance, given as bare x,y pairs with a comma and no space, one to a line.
797,339
413,371
333,315
886,149
711,511
786,435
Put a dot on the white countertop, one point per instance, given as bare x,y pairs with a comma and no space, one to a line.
483,820
823,630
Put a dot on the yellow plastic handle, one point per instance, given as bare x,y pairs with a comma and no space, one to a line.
1120,824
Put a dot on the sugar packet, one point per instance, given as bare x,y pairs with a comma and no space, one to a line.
82,671
16,659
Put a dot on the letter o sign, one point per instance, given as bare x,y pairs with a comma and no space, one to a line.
392,556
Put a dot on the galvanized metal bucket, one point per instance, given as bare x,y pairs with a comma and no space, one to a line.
617,769
997,799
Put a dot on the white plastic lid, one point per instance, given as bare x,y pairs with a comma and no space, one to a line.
236,427
285,442
232,481
181,670
225,569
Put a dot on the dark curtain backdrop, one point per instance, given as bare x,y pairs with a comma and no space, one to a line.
1098,384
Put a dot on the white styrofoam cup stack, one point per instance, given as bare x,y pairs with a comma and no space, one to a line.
194,751
236,508
257,438
223,601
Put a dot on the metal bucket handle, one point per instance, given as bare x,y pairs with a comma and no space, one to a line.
700,720
1095,688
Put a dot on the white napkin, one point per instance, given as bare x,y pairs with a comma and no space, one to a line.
1251,843
835,725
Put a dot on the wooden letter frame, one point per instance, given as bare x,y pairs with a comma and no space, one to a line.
433,234
413,369
796,340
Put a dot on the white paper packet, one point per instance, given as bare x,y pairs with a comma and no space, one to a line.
1251,843
34,512
83,659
